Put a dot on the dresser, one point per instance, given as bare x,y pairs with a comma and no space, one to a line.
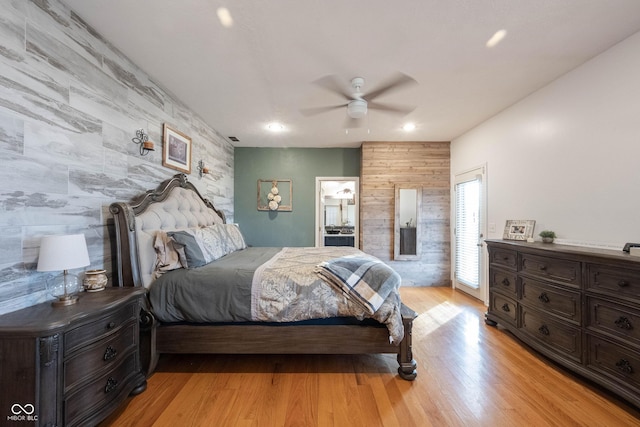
72,365
578,306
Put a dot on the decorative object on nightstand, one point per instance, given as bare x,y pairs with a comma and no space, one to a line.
95,280
547,236
63,253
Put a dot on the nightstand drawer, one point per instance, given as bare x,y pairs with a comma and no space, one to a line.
614,319
551,299
81,336
104,354
557,336
617,282
97,394
560,270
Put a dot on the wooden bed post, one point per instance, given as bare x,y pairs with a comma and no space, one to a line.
407,369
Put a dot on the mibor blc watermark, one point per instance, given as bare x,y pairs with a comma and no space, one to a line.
22,412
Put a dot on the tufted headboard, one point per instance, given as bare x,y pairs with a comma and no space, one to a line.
175,204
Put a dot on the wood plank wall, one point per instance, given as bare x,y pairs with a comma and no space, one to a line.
385,164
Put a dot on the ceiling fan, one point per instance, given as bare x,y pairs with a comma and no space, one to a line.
358,103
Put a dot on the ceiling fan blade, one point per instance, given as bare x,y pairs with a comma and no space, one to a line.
319,110
333,84
351,123
395,82
402,110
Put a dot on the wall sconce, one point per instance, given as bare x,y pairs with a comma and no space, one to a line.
202,169
142,139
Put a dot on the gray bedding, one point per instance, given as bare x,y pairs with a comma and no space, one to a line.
263,284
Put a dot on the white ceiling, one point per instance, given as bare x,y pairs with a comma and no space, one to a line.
263,67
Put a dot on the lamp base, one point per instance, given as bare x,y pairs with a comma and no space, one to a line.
65,300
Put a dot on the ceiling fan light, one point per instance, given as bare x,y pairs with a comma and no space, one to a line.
357,108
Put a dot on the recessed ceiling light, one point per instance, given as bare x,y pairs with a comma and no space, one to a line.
496,38
275,127
225,17
409,127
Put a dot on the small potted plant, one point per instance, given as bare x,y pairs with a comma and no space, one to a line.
547,236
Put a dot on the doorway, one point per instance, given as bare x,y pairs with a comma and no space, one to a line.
337,211
469,216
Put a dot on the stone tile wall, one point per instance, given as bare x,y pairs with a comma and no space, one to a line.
69,105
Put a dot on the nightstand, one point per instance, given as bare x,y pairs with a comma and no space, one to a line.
71,365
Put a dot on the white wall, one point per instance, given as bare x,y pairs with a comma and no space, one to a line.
567,156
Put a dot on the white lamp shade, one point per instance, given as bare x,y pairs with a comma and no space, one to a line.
65,252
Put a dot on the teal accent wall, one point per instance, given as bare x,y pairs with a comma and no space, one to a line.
302,166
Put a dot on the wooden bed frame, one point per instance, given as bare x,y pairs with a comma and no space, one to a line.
239,338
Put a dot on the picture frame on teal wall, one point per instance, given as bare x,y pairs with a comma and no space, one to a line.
275,195
176,150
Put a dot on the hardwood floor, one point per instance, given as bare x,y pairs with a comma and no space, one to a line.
469,374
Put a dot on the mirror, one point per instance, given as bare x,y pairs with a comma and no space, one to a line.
408,205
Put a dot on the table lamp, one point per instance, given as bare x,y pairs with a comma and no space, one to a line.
62,253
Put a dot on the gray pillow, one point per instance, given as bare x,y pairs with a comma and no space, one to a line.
194,255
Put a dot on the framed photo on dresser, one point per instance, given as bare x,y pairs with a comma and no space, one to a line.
518,229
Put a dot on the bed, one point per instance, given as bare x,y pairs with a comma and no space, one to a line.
248,315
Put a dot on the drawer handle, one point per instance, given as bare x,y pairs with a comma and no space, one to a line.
543,267
623,323
112,384
109,353
505,282
624,366
505,307
505,258
544,297
623,283
544,330
111,325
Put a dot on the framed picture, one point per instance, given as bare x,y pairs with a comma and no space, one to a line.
176,150
275,195
520,229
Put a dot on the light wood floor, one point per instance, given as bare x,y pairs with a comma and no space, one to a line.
469,374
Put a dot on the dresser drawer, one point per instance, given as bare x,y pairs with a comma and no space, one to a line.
614,361
617,282
100,392
503,281
83,335
559,337
560,270
503,257
104,354
614,319
551,299
503,307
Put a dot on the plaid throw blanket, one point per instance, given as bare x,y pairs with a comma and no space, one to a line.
365,281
